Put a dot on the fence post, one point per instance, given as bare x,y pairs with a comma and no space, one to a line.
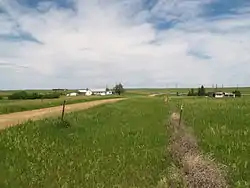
181,114
63,110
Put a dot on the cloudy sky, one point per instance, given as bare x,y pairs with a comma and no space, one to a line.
141,43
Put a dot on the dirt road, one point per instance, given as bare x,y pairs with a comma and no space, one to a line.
8,120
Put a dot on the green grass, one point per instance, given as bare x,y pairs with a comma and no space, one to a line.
115,145
10,106
223,129
145,91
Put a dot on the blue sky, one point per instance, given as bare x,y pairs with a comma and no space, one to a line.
142,43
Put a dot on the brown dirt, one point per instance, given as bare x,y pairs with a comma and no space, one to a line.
8,120
198,170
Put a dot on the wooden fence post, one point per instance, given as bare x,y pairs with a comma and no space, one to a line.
63,110
181,114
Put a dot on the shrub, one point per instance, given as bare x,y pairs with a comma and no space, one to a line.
1,97
29,96
237,93
192,93
201,91
18,95
51,95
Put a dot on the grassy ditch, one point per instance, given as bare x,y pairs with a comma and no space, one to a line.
222,129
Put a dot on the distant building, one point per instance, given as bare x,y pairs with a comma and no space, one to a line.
109,93
72,94
226,94
221,94
89,92
99,91
85,92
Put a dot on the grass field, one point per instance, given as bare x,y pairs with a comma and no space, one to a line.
222,127
9,106
115,145
145,91
122,144
244,90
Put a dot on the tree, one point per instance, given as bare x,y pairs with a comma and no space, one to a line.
18,95
191,92
201,91
237,93
118,89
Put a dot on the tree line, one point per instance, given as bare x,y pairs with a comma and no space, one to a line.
202,92
24,95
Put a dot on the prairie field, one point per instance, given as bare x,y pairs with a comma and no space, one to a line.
222,127
114,145
124,144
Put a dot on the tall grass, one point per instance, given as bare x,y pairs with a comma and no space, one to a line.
115,145
10,106
223,129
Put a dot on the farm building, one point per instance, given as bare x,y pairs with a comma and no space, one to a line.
99,91
109,92
221,94
89,92
72,95
86,92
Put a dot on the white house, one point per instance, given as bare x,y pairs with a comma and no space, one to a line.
223,94
218,94
86,92
99,91
109,92
72,95
229,95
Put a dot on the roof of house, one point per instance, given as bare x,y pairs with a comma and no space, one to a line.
82,90
98,90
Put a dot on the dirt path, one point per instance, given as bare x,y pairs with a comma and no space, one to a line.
7,120
197,169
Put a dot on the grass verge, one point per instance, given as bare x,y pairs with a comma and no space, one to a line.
115,145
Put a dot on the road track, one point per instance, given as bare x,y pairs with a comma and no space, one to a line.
8,120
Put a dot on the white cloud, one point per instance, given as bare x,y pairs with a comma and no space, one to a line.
106,43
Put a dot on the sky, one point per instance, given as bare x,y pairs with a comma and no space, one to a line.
140,43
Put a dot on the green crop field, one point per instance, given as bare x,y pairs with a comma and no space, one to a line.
115,145
222,127
9,106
